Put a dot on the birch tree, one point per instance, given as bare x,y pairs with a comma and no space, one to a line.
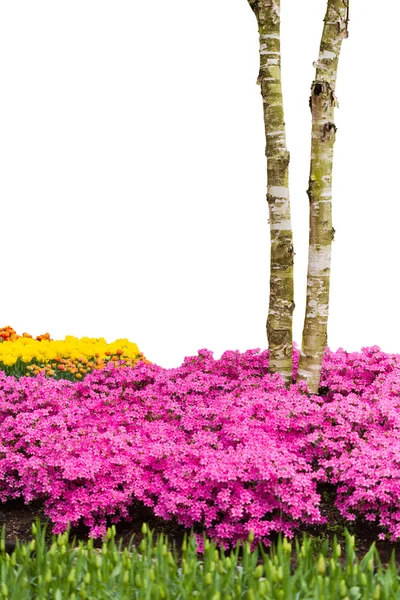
322,104
281,299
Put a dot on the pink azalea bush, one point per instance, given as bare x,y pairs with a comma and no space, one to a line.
216,444
361,440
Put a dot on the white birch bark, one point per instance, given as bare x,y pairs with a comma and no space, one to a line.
281,300
322,104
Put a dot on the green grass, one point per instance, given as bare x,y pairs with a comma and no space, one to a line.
286,571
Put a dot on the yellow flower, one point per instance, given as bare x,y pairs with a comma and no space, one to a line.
9,360
89,352
26,358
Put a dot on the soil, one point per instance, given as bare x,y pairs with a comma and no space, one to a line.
18,518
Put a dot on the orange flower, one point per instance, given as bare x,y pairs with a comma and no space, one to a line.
43,336
61,367
119,352
7,332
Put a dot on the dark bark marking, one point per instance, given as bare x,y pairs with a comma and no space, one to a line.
328,130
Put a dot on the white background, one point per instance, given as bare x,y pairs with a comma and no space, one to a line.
133,179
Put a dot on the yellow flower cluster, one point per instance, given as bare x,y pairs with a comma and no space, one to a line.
71,358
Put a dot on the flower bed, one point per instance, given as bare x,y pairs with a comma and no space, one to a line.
71,358
218,444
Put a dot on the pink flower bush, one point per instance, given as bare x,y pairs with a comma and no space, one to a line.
217,444
362,437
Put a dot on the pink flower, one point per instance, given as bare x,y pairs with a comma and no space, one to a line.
216,444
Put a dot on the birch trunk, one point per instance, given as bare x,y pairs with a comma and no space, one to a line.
322,103
281,299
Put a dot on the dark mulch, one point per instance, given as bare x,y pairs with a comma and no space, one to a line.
18,518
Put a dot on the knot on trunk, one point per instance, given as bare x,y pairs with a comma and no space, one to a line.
321,88
322,94
328,131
